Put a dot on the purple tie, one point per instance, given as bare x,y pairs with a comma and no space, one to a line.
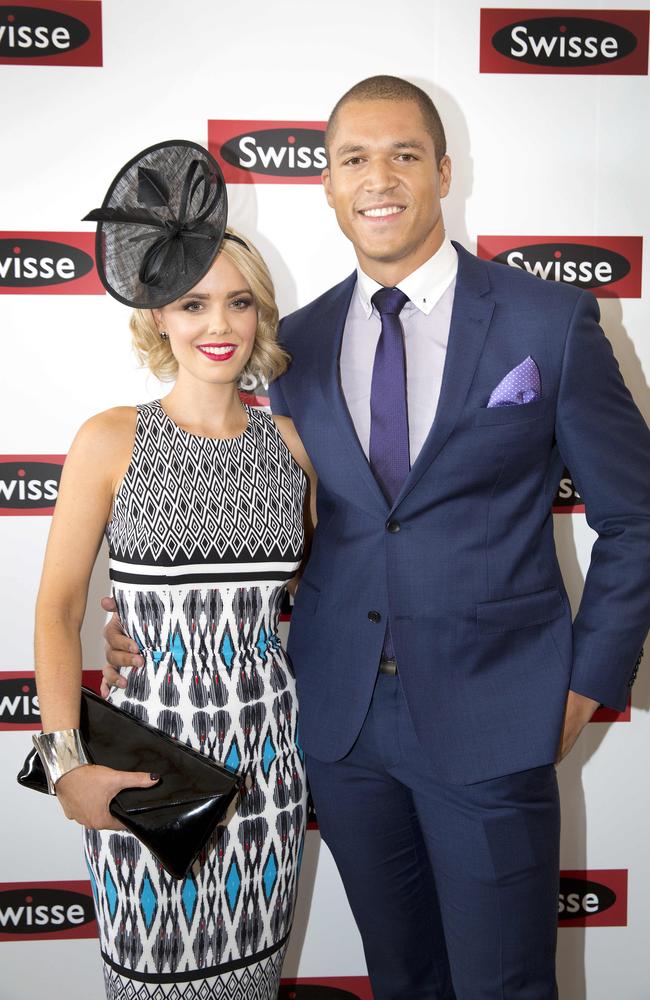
389,426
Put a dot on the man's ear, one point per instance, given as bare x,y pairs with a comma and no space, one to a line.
444,175
326,180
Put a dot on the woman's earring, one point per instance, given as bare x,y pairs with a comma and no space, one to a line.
163,335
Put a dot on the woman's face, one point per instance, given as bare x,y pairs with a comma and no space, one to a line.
212,327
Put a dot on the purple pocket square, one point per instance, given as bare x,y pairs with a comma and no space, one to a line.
521,385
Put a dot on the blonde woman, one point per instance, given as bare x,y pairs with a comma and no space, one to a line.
201,499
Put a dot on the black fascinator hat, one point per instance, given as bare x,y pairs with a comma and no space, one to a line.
161,225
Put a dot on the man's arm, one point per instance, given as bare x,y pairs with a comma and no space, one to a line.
605,443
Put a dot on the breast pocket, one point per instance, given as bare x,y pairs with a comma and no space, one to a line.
513,414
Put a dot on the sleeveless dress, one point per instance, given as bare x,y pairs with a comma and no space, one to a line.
203,536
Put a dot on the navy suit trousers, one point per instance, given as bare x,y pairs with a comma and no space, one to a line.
454,887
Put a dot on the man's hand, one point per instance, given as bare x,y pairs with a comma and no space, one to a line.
578,712
120,651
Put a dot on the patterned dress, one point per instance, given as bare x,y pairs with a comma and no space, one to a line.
203,536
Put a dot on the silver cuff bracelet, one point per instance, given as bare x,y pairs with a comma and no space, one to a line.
60,752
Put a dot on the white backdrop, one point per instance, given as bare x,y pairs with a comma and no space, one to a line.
560,155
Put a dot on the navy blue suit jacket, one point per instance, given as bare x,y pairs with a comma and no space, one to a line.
470,582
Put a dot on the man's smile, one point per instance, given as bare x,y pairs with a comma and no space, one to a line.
382,211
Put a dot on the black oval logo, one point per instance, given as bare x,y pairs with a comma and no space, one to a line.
36,31
18,701
572,263
307,991
564,41
298,152
27,262
37,911
29,484
567,495
581,898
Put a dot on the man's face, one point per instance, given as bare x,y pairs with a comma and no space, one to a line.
385,186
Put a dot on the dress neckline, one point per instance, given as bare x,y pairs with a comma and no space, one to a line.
202,437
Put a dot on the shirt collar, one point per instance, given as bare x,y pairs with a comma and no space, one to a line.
425,286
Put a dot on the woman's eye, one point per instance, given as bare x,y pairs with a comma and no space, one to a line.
241,303
192,306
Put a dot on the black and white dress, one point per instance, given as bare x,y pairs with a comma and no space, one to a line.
203,536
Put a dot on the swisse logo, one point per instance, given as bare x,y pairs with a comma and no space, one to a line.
567,41
48,263
326,988
50,33
29,484
567,499
39,910
609,266
18,702
19,708
595,898
268,152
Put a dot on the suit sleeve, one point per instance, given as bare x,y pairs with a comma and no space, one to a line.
605,443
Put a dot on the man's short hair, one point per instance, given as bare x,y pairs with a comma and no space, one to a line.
393,88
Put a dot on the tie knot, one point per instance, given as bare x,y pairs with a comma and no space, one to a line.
389,301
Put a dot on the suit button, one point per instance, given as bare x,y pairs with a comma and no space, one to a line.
393,527
374,616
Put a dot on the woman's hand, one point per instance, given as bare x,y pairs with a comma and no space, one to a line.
121,651
85,793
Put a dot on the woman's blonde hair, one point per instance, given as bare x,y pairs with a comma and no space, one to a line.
268,359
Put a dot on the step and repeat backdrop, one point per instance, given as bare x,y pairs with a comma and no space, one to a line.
546,111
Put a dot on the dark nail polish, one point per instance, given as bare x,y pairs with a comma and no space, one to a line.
154,777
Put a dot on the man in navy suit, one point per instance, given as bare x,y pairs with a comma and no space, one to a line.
439,398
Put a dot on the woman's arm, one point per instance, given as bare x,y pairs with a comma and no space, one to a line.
93,469
292,440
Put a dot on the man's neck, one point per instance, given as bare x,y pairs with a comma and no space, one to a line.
390,272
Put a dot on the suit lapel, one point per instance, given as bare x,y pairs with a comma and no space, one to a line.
329,339
470,319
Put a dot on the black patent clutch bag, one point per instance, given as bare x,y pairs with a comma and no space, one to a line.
173,818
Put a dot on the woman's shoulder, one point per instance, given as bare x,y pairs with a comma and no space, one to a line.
108,435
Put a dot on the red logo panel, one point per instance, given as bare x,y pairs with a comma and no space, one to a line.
595,898
44,911
607,266
19,707
264,152
48,264
326,988
29,484
611,715
51,33
530,40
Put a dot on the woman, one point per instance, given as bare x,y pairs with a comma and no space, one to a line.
201,499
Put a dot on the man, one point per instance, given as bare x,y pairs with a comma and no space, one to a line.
439,398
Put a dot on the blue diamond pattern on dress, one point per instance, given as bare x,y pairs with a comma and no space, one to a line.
188,898
270,874
226,649
268,754
233,759
233,885
111,891
148,900
178,650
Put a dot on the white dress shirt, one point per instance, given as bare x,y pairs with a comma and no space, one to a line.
425,321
